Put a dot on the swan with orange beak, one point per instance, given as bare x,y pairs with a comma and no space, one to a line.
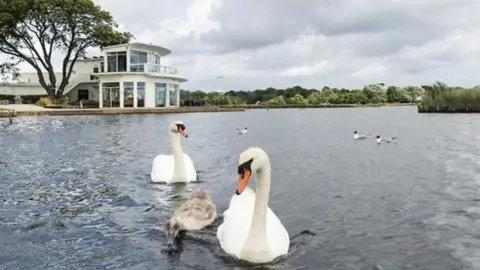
176,168
250,230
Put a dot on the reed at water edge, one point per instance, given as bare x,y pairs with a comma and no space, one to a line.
442,98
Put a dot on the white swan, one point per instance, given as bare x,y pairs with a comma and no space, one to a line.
250,230
176,168
195,214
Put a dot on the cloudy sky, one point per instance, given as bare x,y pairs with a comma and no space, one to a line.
312,43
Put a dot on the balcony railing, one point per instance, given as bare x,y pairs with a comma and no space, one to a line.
151,68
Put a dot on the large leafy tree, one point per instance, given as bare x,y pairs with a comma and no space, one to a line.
33,31
9,70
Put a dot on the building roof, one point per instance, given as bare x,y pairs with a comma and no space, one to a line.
155,48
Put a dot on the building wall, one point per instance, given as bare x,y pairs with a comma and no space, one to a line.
22,90
81,72
92,92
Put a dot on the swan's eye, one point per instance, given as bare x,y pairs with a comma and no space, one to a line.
180,127
246,166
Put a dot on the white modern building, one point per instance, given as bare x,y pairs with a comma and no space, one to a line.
126,75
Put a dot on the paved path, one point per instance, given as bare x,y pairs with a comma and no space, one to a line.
24,107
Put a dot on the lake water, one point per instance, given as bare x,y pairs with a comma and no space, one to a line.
76,191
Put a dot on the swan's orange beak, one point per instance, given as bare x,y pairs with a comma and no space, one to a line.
183,132
242,181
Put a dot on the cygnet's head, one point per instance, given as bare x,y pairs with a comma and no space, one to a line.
172,227
178,127
201,194
250,160
355,132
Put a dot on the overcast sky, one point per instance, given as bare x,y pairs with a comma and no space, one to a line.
312,43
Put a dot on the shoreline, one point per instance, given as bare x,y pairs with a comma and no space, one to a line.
447,109
115,111
320,106
41,111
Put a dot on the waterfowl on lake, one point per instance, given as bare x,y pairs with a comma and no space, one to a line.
250,230
385,139
359,136
176,168
242,131
195,214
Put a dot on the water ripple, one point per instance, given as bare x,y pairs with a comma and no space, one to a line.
77,190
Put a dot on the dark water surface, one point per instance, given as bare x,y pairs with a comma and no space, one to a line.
76,191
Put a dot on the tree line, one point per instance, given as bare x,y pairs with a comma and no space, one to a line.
297,95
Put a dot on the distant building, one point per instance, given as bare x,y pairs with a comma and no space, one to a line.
127,75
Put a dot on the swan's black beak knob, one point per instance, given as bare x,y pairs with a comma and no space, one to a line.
186,136
236,192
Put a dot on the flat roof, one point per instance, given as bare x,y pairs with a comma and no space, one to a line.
159,49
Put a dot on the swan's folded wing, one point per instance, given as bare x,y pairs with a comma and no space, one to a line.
277,235
162,168
190,168
233,232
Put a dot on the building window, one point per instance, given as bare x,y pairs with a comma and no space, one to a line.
117,61
128,94
111,94
140,94
138,60
153,63
159,94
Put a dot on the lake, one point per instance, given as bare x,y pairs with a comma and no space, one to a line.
76,191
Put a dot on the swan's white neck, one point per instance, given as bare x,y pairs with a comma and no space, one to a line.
257,237
262,190
179,172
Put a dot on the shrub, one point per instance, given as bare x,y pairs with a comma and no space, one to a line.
44,101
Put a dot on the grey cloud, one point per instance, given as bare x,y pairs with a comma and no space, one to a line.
249,24
253,24
381,44
257,36
139,15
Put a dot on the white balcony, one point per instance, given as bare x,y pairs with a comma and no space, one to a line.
151,68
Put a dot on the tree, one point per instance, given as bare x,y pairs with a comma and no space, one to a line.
33,31
297,99
413,92
375,92
394,94
316,98
280,100
9,70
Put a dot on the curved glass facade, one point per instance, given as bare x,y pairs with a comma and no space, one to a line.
159,94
